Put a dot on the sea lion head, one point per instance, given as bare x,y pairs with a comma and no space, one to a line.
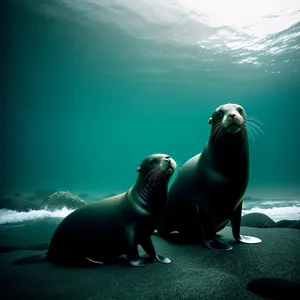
157,169
228,119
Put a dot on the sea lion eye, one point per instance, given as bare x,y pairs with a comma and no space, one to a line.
219,113
151,162
240,110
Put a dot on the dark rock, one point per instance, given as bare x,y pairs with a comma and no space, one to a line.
296,225
286,223
258,220
18,204
275,288
59,200
43,194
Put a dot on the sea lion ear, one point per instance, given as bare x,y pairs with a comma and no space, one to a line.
209,121
139,169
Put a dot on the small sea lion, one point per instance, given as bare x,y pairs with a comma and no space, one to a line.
103,230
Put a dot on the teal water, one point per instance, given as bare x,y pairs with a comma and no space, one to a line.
92,87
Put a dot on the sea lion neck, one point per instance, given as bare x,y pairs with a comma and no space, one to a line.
149,197
229,144
230,154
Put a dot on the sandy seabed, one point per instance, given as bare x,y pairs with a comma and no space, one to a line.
195,272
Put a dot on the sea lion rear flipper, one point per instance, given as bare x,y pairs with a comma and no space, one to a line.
148,246
93,261
236,225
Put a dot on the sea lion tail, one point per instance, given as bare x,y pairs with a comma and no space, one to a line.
31,259
40,246
275,288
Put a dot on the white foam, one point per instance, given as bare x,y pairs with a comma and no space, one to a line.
11,216
277,213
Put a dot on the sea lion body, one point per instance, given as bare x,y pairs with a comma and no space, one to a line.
208,190
103,230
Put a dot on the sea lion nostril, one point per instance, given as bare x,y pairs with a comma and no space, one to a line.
232,115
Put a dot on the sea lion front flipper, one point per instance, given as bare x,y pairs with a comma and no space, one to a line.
245,239
163,259
236,226
207,224
132,249
139,262
216,244
148,246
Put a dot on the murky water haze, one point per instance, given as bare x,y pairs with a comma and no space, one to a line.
94,86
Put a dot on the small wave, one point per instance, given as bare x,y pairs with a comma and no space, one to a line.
277,213
11,216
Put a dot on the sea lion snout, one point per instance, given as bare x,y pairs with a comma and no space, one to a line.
169,163
157,168
233,121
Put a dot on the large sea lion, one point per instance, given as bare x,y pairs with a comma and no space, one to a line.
103,230
208,190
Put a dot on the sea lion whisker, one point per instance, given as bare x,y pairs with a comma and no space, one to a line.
215,131
248,129
256,126
254,119
216,128
159,175
155,170
253,130
151,179
154,176
217,135
152,182
151,172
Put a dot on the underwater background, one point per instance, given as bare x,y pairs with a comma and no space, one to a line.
92,87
